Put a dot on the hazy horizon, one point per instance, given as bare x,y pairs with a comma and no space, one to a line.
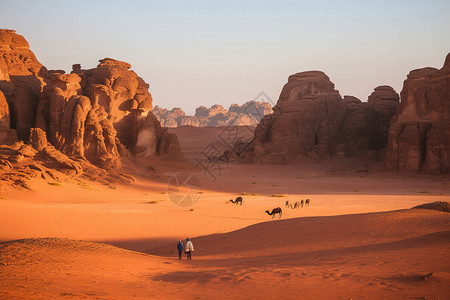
217,52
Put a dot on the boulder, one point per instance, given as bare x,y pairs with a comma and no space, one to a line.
38,139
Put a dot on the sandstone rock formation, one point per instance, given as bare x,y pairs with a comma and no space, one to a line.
312,120
21,80
419,136
168,118
7,135
365,125
250,113
384,101
96,116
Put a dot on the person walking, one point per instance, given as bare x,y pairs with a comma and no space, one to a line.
189,249
180,248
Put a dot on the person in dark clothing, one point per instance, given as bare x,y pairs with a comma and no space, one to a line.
180,247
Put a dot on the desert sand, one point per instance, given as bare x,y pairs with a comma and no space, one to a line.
358,239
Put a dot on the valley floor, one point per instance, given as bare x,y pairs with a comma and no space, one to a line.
358,239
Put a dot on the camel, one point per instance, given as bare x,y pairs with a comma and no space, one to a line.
307,202
301,203
287,203
274,211
237,201
296,205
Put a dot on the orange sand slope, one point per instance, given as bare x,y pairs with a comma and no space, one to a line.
140,216
361,256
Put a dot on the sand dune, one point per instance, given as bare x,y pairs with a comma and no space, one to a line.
358,239
363,256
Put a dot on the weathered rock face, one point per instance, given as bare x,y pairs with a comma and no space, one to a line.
89,114
250,113
21,80
312,120
357,127
384,101
306,119
4,119
419,136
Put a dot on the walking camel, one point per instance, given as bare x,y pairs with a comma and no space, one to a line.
274,211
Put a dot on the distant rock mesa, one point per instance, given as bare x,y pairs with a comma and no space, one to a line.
248,114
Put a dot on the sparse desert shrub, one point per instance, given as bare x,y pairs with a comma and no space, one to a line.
279,195
54,183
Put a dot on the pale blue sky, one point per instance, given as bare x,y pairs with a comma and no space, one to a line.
205,52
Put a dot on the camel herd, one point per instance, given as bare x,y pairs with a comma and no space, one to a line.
277,210
297,204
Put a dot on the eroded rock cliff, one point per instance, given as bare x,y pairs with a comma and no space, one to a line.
98,115
419,136
312,120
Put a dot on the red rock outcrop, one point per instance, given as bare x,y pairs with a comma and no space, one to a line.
95,115
21,80
312,120
306,119
7,135
249,114
384,101
357,127
419,136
